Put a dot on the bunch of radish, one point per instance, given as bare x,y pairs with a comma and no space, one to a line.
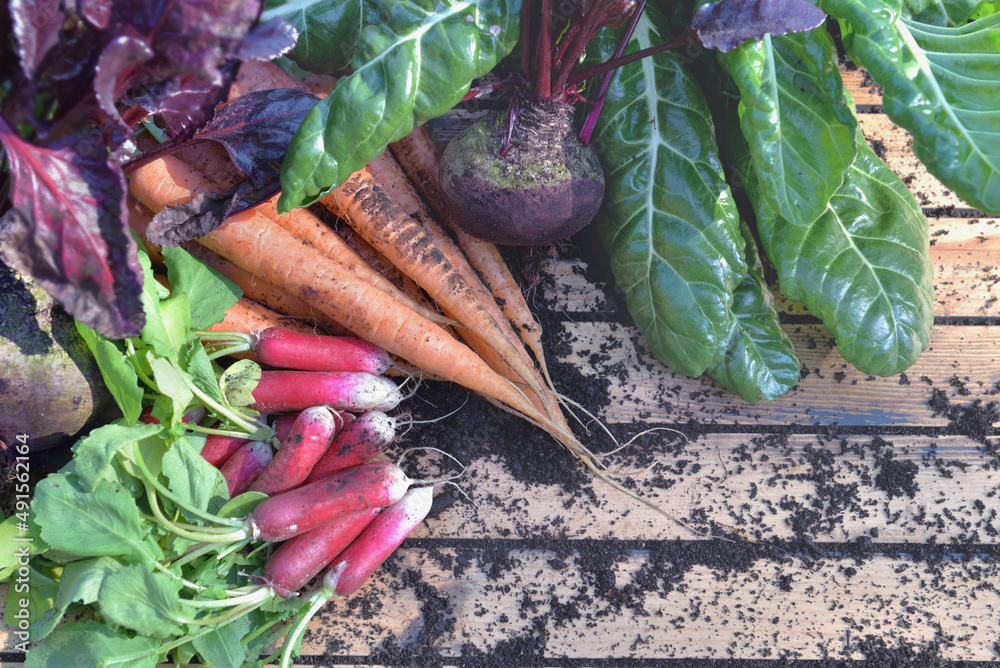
330,502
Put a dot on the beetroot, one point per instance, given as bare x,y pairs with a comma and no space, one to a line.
540,186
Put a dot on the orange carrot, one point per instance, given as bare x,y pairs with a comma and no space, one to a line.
251,240
420,157
383,223
261,75
250,317
138,218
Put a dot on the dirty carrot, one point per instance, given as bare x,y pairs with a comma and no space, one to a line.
420,158
253,241
249,317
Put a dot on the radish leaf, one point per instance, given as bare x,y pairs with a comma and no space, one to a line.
93,454
796,118
101,523
146,602
80,583
668,220
413,63
942,84
862,267
95,645
222,647
209,292
118,374
194,481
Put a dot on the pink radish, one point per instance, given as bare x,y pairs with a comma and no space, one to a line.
280,391
284,423
218,448
372,485
300,558
306,442
356,564
243,467
286,349
356,444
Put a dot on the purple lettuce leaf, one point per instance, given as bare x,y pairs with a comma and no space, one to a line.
727,24
178,223
65,228
255,130
267,41
37,27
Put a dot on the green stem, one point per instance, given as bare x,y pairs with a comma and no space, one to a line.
317,601
219,409
183,533
224,618
133,360
212,430
187,583
149,477
222,352
190,556
259,595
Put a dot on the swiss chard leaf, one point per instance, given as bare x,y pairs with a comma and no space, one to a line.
942,84
668,220
795,116
760,362
862,266
95,645
413,64
940,12
65,229
328,31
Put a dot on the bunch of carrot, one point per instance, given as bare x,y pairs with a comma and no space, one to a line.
446,309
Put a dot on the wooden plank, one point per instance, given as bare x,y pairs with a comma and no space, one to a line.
962,359
892,488
863,88
659,604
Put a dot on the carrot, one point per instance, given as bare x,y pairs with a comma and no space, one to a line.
138,218
386,226
388,173
250,239
420,158
308,439
250,317
260,75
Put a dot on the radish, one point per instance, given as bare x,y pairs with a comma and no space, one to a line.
306,442
300,558
279,391
283,425
356,564
376,484
356,444
218,449
243,467
286,349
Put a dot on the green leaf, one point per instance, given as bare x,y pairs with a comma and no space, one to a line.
93,645
194,481
176,316
222,647
30,598
19,539
118,374
328,31
240,506
92,455
760,362
862,266
209,293
414,61
795,116
102,523
80,583
202,373
153,332
668,220
142,601
942,84
172,384
940,12
239,381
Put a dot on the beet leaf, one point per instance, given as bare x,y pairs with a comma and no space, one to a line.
727,24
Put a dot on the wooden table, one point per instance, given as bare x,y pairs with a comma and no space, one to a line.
855,517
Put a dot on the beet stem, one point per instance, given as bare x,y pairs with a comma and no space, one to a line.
590,122
543,57
688,37
526,40
591,24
